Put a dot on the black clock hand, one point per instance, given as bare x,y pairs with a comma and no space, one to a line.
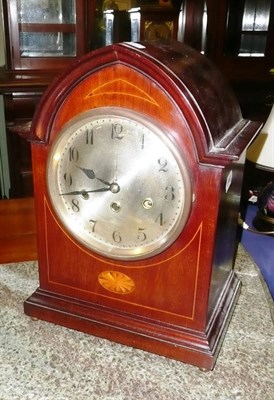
83,192
89,172
91,175
113,188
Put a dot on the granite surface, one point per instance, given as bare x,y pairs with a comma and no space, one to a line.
41,361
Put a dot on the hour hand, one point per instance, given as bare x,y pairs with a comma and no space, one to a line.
91,175
89,172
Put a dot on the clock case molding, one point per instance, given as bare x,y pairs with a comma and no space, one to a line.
184,296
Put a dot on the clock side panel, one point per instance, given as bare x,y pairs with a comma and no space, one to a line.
226,230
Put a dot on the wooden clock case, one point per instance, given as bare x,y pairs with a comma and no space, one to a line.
183,298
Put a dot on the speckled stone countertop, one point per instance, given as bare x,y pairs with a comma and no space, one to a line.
41,361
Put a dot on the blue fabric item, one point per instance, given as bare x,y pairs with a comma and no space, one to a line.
260,248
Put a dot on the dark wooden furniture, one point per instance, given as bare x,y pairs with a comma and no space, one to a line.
240,42
158,23
18,231
184,296
222,37
22,93
45,36
40,43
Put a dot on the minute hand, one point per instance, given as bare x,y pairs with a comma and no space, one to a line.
83,192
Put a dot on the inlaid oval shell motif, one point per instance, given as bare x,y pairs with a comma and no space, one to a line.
116,282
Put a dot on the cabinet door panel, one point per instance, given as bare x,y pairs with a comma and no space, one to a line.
46,34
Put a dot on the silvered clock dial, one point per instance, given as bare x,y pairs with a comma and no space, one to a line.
118,183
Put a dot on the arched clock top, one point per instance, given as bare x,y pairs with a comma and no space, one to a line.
205,99
187,81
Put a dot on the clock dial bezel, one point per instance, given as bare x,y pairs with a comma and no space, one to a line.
89,240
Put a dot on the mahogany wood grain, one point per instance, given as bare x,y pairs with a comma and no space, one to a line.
17,231
184,296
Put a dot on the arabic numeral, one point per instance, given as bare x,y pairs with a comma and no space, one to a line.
160,220
163,165
169,193
68,179
89,136
92,223
117,131
75,205
73,154
142,142
141,234
116,237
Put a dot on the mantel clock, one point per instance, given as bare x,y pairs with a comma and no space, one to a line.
137,161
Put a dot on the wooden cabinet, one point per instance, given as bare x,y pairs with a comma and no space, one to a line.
240,42
44,37
19,109
242,47
21,93
154,23
45,34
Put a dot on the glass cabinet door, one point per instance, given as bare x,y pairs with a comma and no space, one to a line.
150,20
112,22
46,33
247,27
47,29
244,44
134,20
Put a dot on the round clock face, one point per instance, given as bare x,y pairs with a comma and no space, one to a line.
118,184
